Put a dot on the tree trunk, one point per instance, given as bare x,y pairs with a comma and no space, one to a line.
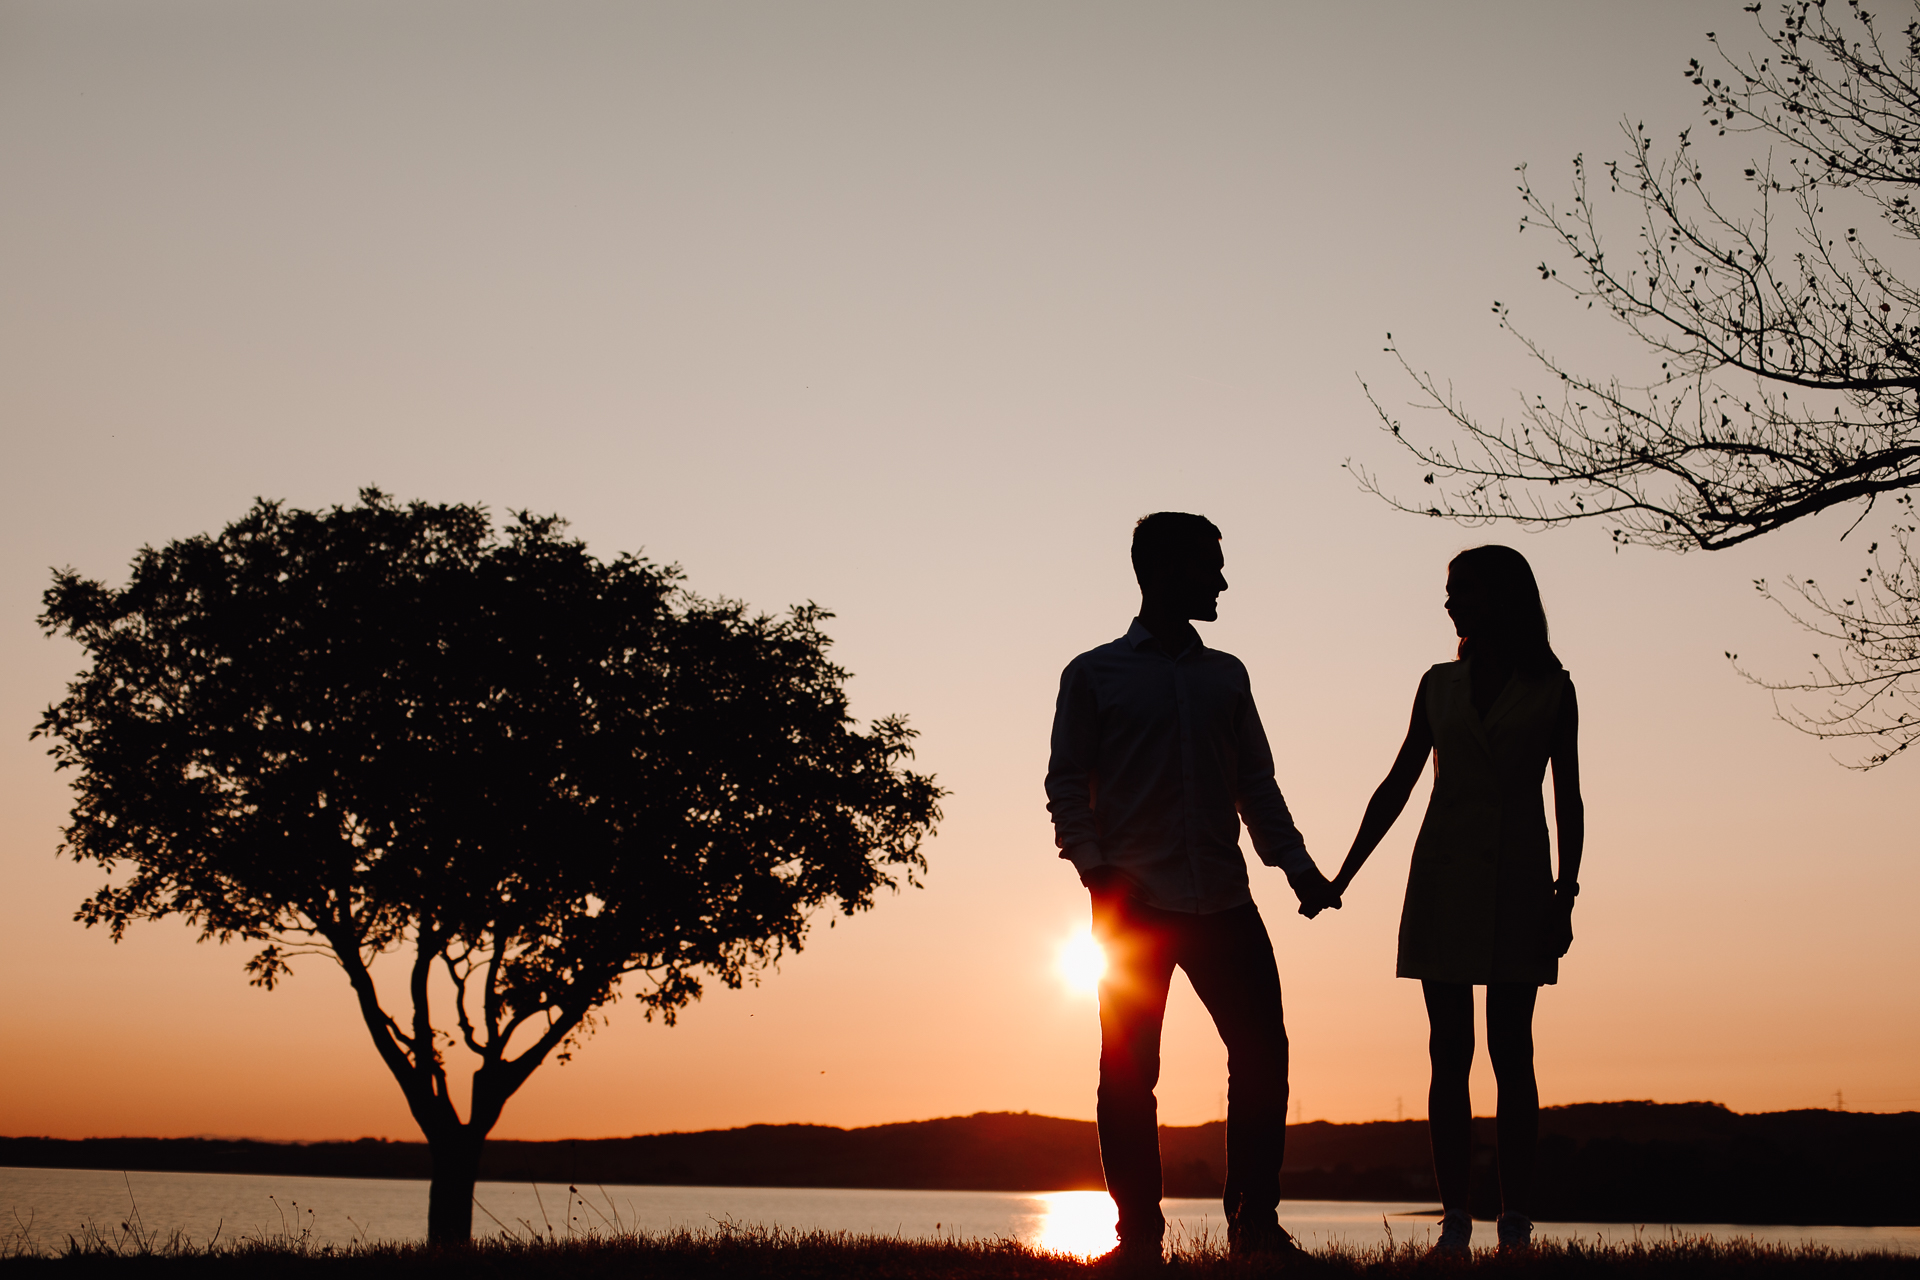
456,1164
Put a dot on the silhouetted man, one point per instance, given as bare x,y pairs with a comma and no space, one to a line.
1158,755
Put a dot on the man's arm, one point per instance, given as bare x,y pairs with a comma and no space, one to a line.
1072,774
1276,839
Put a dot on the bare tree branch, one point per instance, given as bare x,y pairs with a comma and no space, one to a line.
1788,351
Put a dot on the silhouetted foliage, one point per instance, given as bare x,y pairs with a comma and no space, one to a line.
388,729
1789,379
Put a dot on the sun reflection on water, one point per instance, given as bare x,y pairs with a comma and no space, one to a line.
1077,1222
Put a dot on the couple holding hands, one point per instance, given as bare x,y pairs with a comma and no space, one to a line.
1159,756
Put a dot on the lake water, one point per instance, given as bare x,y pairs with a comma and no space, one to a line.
41,1207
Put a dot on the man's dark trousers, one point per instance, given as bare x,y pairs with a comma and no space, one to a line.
1229,959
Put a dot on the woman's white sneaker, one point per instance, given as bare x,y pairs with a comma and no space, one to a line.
1456,1237
1516,1232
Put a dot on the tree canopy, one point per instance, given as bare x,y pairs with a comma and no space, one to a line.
545,778
1788,380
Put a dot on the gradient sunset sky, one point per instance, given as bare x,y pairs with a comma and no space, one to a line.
910,310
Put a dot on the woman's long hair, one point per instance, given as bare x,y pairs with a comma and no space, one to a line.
1515,625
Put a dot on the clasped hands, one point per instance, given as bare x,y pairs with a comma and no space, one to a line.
1315,891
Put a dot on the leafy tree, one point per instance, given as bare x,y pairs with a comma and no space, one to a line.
525,773
1789,358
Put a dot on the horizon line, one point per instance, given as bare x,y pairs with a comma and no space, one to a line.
888,1124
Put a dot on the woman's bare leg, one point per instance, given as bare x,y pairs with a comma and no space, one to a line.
1510,1045
1449,1106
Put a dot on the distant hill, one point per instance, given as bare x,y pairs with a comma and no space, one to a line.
1599,1161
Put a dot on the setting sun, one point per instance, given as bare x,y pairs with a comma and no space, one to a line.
1082,963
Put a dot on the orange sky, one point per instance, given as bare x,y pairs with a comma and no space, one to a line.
909,310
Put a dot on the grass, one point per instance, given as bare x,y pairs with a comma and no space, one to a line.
609,1247
730,1252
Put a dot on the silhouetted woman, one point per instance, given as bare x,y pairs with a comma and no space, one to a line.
1483,907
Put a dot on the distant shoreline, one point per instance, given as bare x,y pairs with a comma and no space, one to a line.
1600,1162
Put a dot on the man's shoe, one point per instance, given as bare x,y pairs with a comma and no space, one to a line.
1456,1237
1131,1257
1516,1232
1267,1240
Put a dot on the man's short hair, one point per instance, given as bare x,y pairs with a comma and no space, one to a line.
1170,533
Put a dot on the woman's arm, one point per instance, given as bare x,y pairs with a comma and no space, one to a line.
1569,810
1570,818
1390,797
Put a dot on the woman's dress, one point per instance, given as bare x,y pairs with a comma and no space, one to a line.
1480,890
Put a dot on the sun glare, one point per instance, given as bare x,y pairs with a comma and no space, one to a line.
1082,963
1078,1222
